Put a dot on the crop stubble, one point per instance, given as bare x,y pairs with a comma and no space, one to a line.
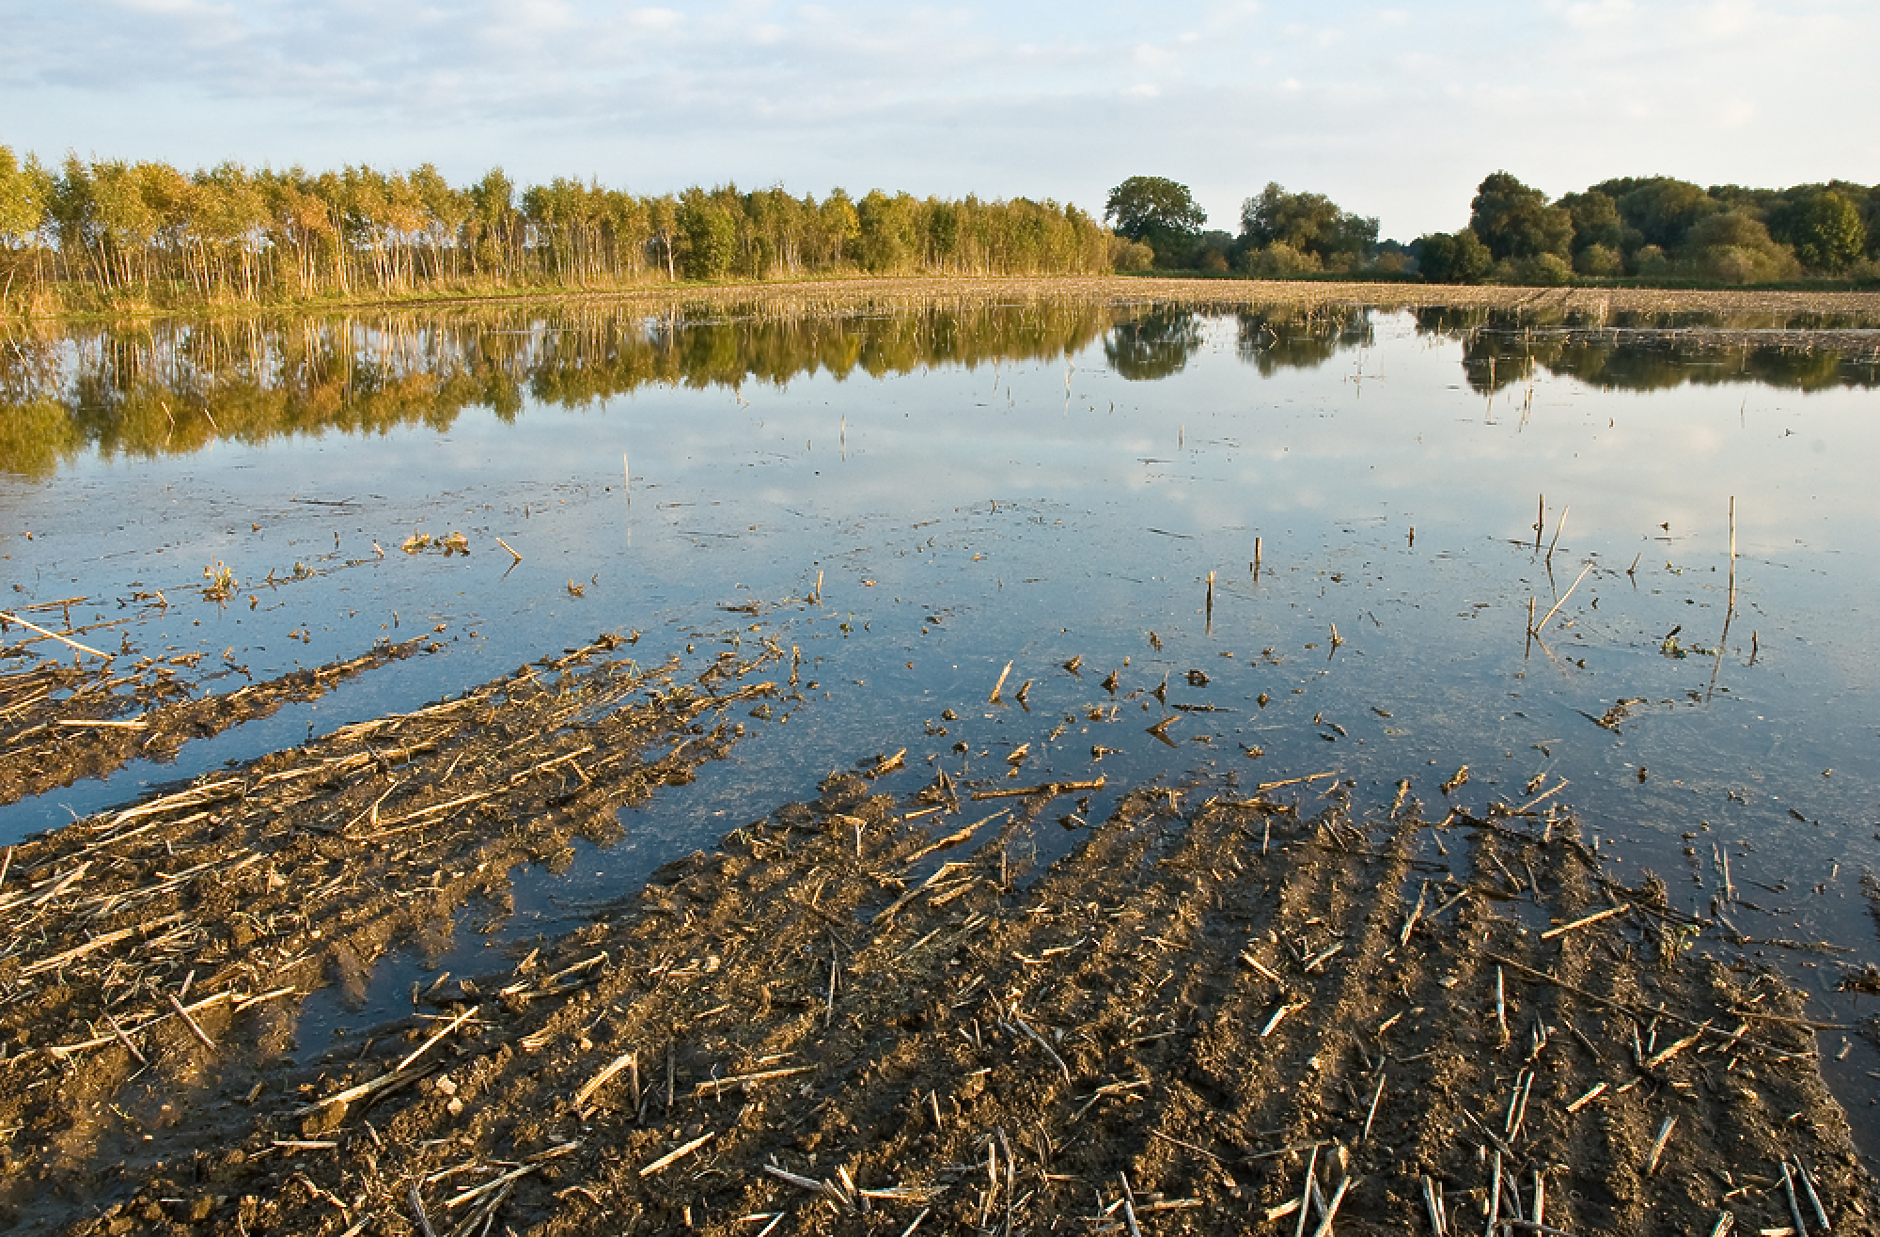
872,1011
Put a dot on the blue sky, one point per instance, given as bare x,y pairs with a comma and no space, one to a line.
1394,111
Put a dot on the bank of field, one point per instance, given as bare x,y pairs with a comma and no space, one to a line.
1225,1009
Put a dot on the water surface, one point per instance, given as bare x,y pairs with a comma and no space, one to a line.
1033,482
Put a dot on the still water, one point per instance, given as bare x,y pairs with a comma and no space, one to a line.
976,484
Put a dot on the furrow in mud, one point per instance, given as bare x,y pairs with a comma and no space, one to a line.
858,1014
157,954
60,725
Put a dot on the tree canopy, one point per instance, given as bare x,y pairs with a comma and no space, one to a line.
1516,221
1308,223
1158,212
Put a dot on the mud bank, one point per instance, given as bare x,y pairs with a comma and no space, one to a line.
1217,1013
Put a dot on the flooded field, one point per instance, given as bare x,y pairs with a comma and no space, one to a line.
998,762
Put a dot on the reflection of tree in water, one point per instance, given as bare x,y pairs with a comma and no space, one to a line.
1272,340
173,387
1153,345
1501,348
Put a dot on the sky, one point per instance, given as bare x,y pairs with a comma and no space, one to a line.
1393,112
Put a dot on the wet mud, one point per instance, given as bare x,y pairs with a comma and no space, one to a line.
877,1011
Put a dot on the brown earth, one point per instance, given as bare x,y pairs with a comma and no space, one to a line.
871,1014
59,724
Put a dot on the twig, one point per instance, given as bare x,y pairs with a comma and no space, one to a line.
599,1080
1294,781
1540,626
417,1210
53,635
1595,917
1658,1146
431,1043
1038,1039
671,1157
1052,789
195,1028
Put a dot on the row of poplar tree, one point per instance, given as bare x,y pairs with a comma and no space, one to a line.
152,231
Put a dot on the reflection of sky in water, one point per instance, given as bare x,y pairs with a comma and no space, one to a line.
1034,510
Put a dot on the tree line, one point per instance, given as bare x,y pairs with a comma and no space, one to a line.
1654,229
114,231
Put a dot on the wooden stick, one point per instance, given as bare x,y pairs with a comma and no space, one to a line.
510,548
1305,1193
1039,1040
717,1086
1732,605
1658,1147
1565,928
1598,1089
53,635
1371,1116
1294,781
599,1080
1331,1209
1537,629
1046,788
1795,1208
1433,1202
431,1043
994,697
671,1157
1814,1200
195,1028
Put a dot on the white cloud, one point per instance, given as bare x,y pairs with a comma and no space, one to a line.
1400,118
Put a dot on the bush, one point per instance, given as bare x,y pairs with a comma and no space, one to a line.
1280,261
1599,261
1734,247
1651,262
1128,255
1543,270
1446,257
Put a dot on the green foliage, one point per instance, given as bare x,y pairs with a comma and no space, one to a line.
1543,270
1600,261
21,207
1158,212
1829,235
1515,221
1595,219
1659,210
147,233
1734,246
1307,223
1128,255
1280,260
708,235
1452,257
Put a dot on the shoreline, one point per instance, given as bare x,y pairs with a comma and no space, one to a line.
814,295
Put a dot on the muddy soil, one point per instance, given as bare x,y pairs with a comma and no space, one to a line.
60,724
1217,1013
